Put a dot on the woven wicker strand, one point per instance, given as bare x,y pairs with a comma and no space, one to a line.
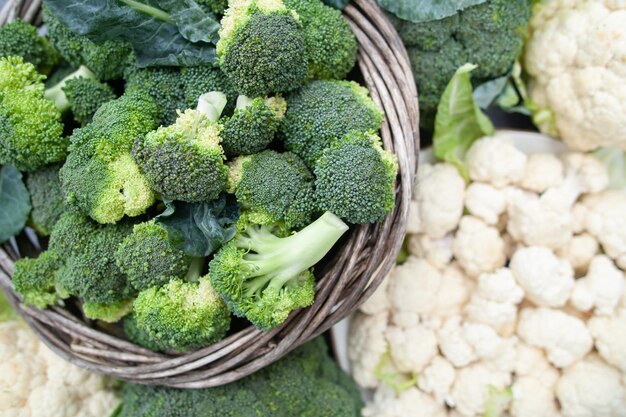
345,283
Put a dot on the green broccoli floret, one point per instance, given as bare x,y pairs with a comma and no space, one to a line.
323,111
18,38
110,313
149,256
35,279
56,93
273,187
261,48
355,178
253,125
264,276
99,175
46,199
214,6
204,79
489,35
330,44
185,161
86,96
140,336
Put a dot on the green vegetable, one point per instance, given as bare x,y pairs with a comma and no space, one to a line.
35,279
18,38
85,96
216,7
46,198
203,79
263,275
6,310
56,93
109,313
419,11
14,204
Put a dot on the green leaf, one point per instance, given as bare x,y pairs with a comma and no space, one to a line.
394,380
193,22
6,310
419,11
459,122
14,203
489,91
615,161
337,4
497,401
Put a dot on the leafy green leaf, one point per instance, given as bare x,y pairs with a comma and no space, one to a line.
489,91
193,22
459,122
337,4
201,228
14,203
426,10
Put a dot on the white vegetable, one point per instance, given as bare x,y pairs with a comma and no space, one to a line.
592,174
437,379
478,247
531,398
609,334
532,362
579,251
452,296
409,403
379,301
413,348
606,221
601,289
495,161
436,251
471,388
485,202
543,171
366,345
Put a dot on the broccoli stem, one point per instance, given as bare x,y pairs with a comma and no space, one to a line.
149,10
243,102
212,104
195,269
56,93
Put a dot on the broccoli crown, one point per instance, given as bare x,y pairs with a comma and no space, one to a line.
35,279
184,161
323,111
355,178
253,125
46,199
330,44
18,38
261,48
140,336
203,79
305,383
216,7
30,126
264,277
109,313
149,256
107,60
85,96
99,175
489,35
274,187
181,315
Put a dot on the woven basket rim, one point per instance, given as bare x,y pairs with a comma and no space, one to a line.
357,270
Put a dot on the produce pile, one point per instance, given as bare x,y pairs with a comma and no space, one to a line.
176,193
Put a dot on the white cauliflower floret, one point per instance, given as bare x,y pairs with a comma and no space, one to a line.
579,217
532,399
485,202
609,334
471,389
591,173
543,171
601,289
606,221
436,251
478,247
379,301
437,379
579,251
439,192
413,224
591,388
546,279
453,295
565,338
532,362
366,346
409,403
413,348
495,160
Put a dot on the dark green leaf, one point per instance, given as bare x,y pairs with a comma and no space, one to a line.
489,91
426,10
14,203
193,22
337,4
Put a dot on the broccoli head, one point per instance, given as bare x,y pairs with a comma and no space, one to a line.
99,175
203,79
149,256
85,96
323,111
110,313
330,44
273,187
261,48
35,279
140,336
355,178
263,276
253,125
489,35
18,38
216,7
185,161
46,199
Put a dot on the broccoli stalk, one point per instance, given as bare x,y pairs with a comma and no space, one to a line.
56,93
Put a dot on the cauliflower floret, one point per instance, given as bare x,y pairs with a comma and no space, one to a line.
609,334
579,218
409,403
439,192
606,221
543,171
453,295
413,348
413,224
485,202
495,160
592,174
437,379
591,388
579,251
532,362
471,390
436,251
478,247
564,337
601,289
532,399
379,301
366,346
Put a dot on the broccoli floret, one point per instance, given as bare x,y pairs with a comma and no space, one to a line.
253,125
203,79
323,111
56,93
214,6
18,38
86,96
99,175
355,178
46,199
330,44
35,279
264,277
140,336
149,256
110,313
489,35
273,187
261,48
185,161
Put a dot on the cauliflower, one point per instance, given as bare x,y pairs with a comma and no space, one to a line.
579,251
601,289
366,346
409,403
531,398
609,334
576,60
592,174
543,171
478,247
471,389
495,161
485,202
532,362
437,379
411,349
453,294
379,301
606,220
436,251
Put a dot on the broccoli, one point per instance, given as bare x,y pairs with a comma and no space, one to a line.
140,336
56,93
108,312
330,44
323,111
99,175
203,79
85,96
216,7
149,256
35,279
253,125
264,276
46,199
305,383
261,47
273,187
18,38
185,161
355,178
489,35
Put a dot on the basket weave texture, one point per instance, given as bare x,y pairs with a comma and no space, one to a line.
344,283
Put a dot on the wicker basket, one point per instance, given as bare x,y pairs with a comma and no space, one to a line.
345,282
